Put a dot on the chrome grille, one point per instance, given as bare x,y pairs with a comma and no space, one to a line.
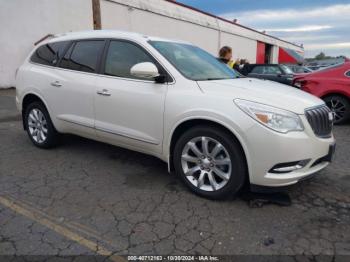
320,120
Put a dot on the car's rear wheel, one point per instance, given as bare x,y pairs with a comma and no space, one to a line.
210,162
340,107
39,126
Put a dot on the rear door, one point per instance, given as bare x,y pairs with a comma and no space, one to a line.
73,85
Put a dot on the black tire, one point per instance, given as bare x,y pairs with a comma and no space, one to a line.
52,136
238,168
340,106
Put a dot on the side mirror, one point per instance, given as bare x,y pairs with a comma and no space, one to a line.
145,70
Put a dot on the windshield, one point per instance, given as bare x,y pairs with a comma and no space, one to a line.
193,62
287,70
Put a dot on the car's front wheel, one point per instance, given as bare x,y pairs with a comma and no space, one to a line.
39,126
340,107
210,162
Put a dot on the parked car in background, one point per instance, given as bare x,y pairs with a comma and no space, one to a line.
175,101
298,69
274,72
315,67
324,63
332,84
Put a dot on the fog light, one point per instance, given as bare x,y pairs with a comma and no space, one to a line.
283,168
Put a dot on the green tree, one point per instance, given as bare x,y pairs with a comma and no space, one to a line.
320,56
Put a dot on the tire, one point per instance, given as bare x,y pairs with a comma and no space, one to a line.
222,160
340,106
39,126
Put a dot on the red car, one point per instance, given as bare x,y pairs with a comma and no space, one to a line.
332,84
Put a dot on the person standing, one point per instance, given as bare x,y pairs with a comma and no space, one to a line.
225,56
244,67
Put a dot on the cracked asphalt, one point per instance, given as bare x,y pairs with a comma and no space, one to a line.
90,198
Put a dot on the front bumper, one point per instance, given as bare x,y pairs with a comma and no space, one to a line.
268,148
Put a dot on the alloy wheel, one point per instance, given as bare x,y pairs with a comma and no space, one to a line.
338,108
206,163
37,126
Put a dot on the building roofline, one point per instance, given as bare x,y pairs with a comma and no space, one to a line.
228,21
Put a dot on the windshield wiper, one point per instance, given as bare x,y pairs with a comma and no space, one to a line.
216,78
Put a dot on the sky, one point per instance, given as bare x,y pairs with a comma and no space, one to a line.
320,25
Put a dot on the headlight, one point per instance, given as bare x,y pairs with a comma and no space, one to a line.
277,119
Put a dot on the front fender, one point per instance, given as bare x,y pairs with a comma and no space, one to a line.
226,121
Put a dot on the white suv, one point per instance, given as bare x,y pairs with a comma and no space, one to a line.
173,100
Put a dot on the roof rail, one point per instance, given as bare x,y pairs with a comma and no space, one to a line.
43,39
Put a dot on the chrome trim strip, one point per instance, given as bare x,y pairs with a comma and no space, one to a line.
315,107
109,131
288,168
74,122
103,75
129,79
126,136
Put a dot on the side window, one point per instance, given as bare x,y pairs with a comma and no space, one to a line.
122,56
83,56
49,54
272,70
347,74
257,70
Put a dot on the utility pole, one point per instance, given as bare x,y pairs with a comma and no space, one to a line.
96,14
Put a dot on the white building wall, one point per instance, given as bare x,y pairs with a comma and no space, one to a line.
275,51
116,15
166,19
120,17
23,22
242,47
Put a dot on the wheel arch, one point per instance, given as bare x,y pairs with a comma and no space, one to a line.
27,99
190,123
335,94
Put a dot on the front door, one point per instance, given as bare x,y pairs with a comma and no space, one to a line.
129,110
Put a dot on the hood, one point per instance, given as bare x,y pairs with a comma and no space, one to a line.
262,91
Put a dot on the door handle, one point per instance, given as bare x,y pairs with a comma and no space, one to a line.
104,92
56,84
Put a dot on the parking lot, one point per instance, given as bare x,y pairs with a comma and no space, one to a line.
86,197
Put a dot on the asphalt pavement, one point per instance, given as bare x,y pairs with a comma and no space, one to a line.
90,198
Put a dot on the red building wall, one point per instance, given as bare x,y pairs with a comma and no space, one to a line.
260,53
285,58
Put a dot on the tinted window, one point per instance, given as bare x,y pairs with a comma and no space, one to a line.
83,56
122,56
271,70
298,70
287,70
193,62
257,70
49,54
